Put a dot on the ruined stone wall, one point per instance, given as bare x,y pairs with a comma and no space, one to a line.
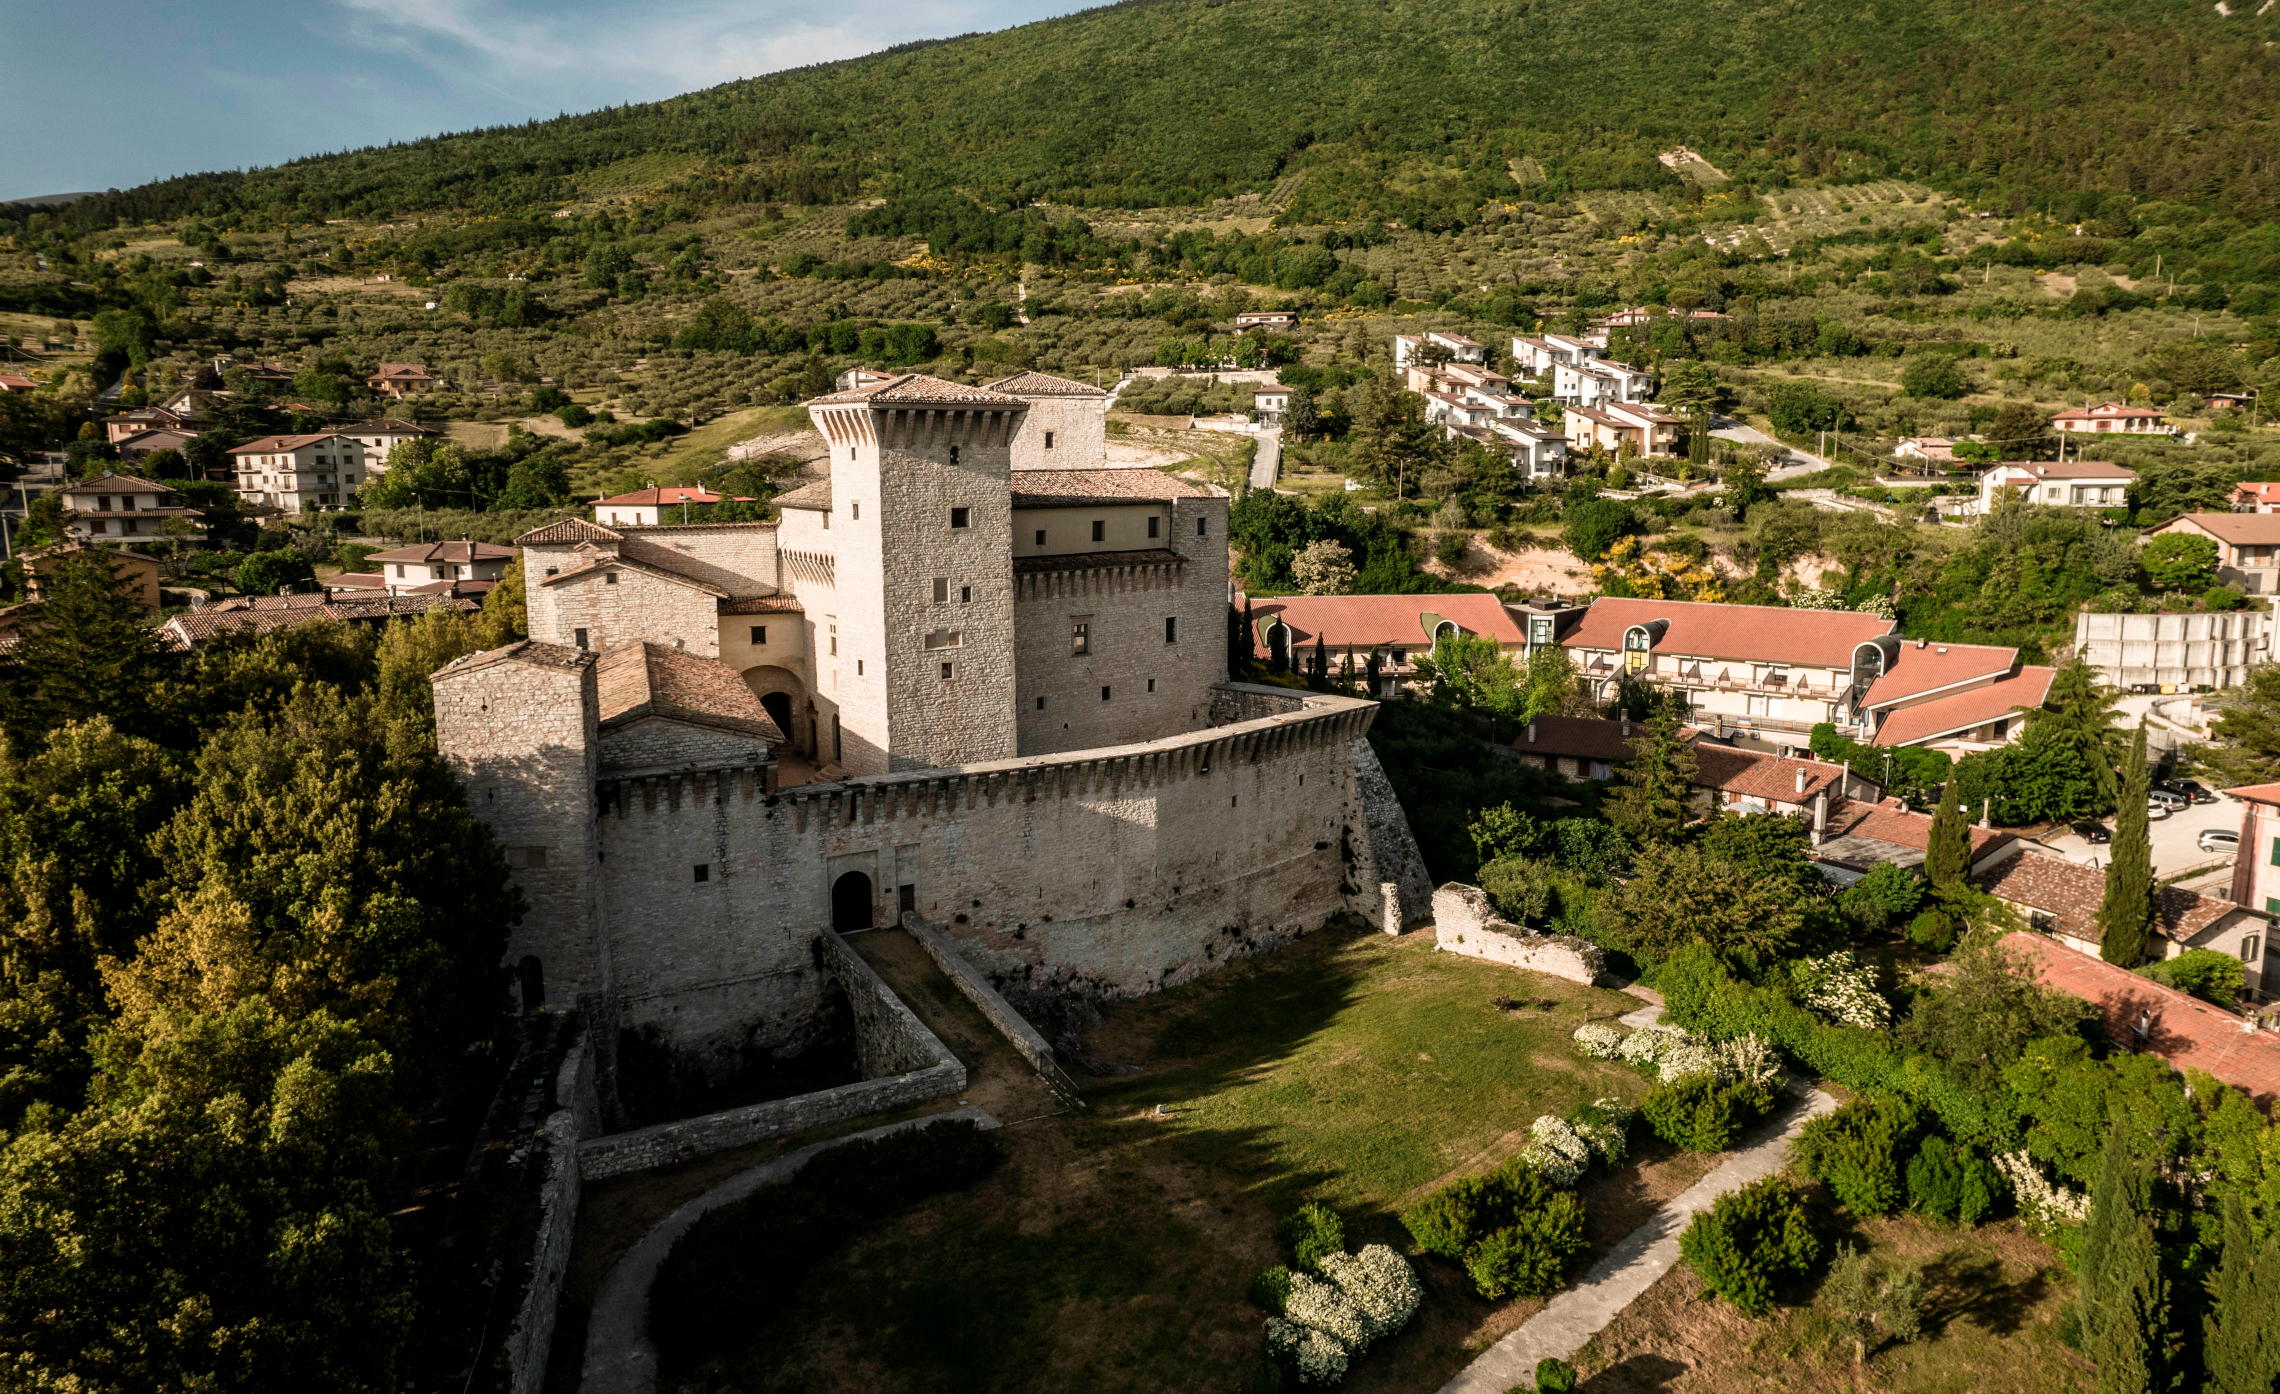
656,740
1399,860
1464,922
1117,872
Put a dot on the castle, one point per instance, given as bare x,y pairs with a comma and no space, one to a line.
973,674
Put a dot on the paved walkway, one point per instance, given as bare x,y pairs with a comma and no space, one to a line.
620,1359
1615,1282
1267,464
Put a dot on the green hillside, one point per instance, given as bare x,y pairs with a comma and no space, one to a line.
1404,110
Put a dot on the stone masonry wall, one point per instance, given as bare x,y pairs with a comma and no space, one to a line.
1125,870
1154,688
1464,922
637,606
740,558
968,716
655,740
1080,434
1398,859
560,1191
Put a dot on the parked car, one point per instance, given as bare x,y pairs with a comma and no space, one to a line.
2155,812
2090,831
2219,840
2163,798
2190,790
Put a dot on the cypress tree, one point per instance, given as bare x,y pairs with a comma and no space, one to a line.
2126,913
1318,667
2241,1334
2123,1304
2075,719
1346,672
1947,857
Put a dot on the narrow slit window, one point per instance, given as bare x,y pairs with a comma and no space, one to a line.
1080,638
1154,523
1100,530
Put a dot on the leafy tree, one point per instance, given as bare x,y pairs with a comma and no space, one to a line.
2125,915
1324,568
2241,1333
2181,561
505,617
1859,1150
1886,894
1981,1016
1473,673
1871,1303
2246,749
1683,895
1751,1240
2209,974
2074,727
1592,526
1654,791
267,573
1951,1185
1552,685
1744,485
1934,375
87,655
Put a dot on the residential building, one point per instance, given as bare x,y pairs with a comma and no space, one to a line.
269,374
143,444
1937,450
381,436
2112,418
1859,835
1959,698
2063,484
2256,497
1538,452
1266,319
128,424
1398,629
262,614
2199,651
1268,404
2061,898
403,379
17,382
303,473
1536,355
112,507
856,379
649,507
1065,427
137,571
2231,401
1736,780
1598,382
1582,747
1423,348
2248,546
440,568
2142,1016
1611,427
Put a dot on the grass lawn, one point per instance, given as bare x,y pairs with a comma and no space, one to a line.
1112,1250
1992,1301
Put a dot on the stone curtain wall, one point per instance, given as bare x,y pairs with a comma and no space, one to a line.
1113,873
576,1116
1399,862
1027,1040
904,1063
1464,922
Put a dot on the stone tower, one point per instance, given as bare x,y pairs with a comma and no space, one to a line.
920,518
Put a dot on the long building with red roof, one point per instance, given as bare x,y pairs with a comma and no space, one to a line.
2142,1016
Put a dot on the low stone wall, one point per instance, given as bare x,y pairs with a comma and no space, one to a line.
1465,923
1026,1039
576,1116
907,1064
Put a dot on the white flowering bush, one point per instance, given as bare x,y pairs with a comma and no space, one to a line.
1748,1060
2043,1204
1646,1046
1599,1040
1605,1127
1320,1304
1557,1151
1841,990
1689,1058
1380,1283
1317,1357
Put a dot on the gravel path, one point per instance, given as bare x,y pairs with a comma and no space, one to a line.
620,1358
1616,1281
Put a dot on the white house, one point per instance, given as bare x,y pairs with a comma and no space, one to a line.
2067,483
381,436
649,507
1596,382
115,507
1412,348
460,568
1268,404
296,474
2108,418
1538,451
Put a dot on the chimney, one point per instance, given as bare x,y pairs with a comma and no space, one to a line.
1804,777
1626,728
1531,733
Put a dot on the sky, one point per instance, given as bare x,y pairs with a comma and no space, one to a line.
99,94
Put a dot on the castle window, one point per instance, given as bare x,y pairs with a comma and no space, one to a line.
1199,527
855,512
858,667
965,595
580,636
1048,440
759,634
702,873
1040,704
958,516
1104,694
1080,638
1100,530
946,672
1041,537
1171,629
609,578
941,590
1154,523
953,454
1151,684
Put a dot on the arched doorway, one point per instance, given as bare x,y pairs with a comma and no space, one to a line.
533,985
778,705
851,902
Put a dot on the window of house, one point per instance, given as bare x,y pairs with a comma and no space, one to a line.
941,590
959,516
100,526
759,634
1041,537
1401,655
1100,530
1104,694
102,503
1154,523
858,667
399,571
946,672
1171,629
1080,642
835,641
1048,440
609,578
579,637
2276,851
2251,948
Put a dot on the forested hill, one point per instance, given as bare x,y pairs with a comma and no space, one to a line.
1403,109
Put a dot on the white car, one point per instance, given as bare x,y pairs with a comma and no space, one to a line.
2155,810
2219,840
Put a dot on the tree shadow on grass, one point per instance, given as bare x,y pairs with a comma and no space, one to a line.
1641,1374
1961,1285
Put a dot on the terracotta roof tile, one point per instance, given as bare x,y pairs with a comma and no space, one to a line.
2257,793
2065,469
1741,633
656,568
186,632
668,495
1584,738
1895,825
2069,893
1918,669
2239,529
445,552
918,387
1755,774
1080,488
642,680
1044,385
280,445
116,484
1946,715
2185,1031
525,651
1376,621
764,605
568,530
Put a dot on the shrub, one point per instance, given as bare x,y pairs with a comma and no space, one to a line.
1690,1059
1324,1306
1646,1046
1554,1376
1381,1285
1747,1060
1859,1150
1598,1040
1605,1125
1310,1233
2208,974
1951,1184
1531,1257
1839,989
1510,1228
1317,1357
1270,1289
1933,931
1522,889
1702,1115
749,1255
1557,1151
1751,1240
264,573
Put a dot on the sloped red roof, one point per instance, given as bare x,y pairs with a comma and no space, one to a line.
1373,621
1044,385
2239,529
2187,1032
2257,793
645,679
1945,715
669,495
1892,821
1744,633
445,551
2108,411
2070,893
1920,668
2253,492
1755,774
1585,737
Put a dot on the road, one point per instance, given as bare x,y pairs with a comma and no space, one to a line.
1267,464
2173,843
1741,432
